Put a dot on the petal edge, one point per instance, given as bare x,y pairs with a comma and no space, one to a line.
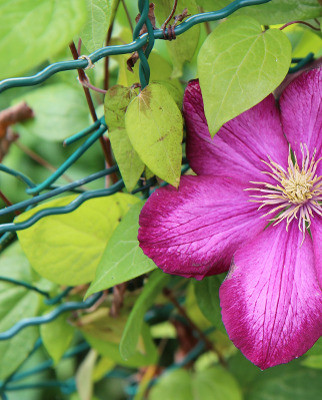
271,300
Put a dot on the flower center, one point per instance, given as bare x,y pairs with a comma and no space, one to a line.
297,184
295,193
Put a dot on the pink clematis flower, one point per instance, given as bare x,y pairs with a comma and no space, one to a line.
254,207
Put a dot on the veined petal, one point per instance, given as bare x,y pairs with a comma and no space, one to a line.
316,229
240,145
271,300
194,232
301,112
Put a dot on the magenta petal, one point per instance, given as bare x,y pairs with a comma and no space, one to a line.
194,232
316,229
301,110
271,300
240,145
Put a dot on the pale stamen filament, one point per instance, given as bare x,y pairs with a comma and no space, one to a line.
297,192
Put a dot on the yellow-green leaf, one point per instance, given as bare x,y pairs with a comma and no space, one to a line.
116,101
57,336
67,248
155,127
122,259
238,66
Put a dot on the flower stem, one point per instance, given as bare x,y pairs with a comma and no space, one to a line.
300,22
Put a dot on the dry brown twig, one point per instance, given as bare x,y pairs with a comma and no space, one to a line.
8,117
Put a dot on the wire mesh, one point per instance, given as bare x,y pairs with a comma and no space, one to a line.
92,134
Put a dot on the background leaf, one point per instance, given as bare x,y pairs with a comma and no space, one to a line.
84,382
122,258
80,236
287,382
155,127
274,12
213,383
57,336
104,332
238,66
95,30
130,337
61,100
207,294
32,31
16,303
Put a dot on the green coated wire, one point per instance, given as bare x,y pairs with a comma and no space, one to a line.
69,187
17,175
24,284
127,48
55,192
49,363
144,68
6,239
71,160
73,205
40,385
301,62
59,297
33,350
84,132
45,319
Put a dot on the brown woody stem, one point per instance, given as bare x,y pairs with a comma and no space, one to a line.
201,335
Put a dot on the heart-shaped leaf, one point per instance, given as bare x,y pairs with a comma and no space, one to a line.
154,124
238,66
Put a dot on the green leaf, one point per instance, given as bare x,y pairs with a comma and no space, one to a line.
213,383
57,336
155,127
274,12
148,173
243,370
128,161
103,366
16,303
313,362
80,236
83,378
175,385
216,383
316,350
183,48
32,31
103,333
122,259
60,111
175,88
304,41
130,337
207,294
238,66
287,382
116,102
98,21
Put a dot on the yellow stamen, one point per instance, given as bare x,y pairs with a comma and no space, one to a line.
297,193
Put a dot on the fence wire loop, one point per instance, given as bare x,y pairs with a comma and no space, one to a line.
90,64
